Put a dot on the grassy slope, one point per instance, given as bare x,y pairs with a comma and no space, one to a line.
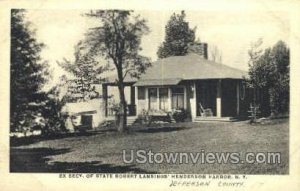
102,151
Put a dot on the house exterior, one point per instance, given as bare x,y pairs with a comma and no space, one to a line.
86,114
205,89
82,110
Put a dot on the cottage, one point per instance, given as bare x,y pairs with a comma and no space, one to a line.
205,89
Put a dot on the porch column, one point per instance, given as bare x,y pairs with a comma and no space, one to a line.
169,99
185,97
147,98
136,100
104,95
219,100
132,95
193,101
238,98
132,99
157,98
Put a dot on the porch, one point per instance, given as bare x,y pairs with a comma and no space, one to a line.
217,99
203,100
109,109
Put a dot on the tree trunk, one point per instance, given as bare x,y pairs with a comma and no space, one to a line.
123,109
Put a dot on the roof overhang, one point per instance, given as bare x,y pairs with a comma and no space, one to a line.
158,82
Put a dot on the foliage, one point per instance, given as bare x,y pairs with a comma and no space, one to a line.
144,117
254,113
113,105
28,72
180,115
86,68
53,108
148,116
178,36
269,70
118,40
152,115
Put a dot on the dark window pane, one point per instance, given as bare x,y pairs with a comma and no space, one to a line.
163,92
152,92
177,90
152,98
141,93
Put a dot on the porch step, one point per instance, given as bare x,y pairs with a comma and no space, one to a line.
130,120
225,119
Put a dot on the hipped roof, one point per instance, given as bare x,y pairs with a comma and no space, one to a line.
172,70
190,67
158,82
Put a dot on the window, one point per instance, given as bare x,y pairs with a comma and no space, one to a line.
152,98
177,98
141,93
163,99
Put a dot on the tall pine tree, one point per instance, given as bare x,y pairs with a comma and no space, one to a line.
28,71
178,36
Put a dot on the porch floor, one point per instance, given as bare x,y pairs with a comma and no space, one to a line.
131,119
113,117
214,118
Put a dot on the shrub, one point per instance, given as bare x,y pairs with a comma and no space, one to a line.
180,115
144,117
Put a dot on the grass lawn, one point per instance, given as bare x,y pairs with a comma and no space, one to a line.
101,151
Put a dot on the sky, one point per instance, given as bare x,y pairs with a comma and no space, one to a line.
231,31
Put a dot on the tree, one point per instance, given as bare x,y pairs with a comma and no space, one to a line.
56,100
118,39
28,71
178,36
269,72
86,68
254,53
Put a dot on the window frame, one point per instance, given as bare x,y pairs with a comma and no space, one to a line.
141,93
149,97
177,94
163,98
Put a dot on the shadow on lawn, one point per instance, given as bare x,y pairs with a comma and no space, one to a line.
14,142
36,160
161,129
